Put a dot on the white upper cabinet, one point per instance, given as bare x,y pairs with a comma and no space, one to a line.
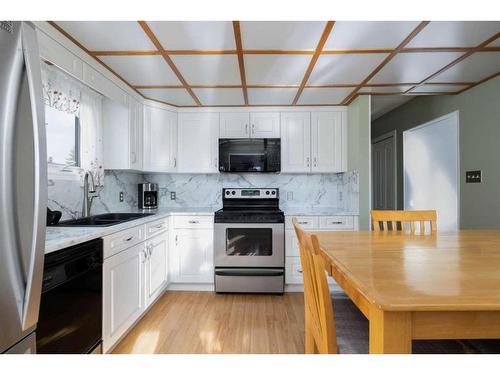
198,142
295,142
265,125
328,141
122,134
160,140
136,121
314,142
250,125
234,125
98,82
55,53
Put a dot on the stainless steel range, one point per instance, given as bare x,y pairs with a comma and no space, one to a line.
249,242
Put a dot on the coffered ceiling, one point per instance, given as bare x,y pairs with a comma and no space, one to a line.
224,63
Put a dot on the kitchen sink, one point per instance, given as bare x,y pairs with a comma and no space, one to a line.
102,220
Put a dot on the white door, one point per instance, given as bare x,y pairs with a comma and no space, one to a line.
193,256
156,267
160,140
295,142
431,169
384,173
327,135
265,125
198,142
234,125
123,299
135,133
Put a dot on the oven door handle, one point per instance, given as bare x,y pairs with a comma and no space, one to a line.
249,272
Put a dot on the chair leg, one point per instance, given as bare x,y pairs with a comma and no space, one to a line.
310,345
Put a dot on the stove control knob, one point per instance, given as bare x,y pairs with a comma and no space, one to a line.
233,192
273,192
267,192
227,192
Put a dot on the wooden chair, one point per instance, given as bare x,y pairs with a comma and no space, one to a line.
319,321
398,220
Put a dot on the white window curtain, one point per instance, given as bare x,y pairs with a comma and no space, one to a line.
65,93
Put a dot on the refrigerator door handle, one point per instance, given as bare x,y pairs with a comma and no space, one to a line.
34,272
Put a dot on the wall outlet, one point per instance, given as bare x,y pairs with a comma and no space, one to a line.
172,195
473,177
121,196
289,195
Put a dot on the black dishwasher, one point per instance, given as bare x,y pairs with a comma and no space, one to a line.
71,306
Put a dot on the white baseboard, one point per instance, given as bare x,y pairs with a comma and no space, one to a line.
191,287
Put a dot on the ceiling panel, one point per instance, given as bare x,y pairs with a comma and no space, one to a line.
324,95
344,68
108,35
384,89
194,34
221,96
454,34
171,96
281,34
369,34
413,67
276,69
142,70
281,96
380,105
438,88
209,69
472,69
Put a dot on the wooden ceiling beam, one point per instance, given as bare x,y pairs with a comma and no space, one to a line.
241,61
456,61
314,59
401,45
168,60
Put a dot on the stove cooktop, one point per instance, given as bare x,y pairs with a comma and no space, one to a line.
249,216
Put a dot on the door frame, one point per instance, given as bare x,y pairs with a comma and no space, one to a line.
452,115
380,138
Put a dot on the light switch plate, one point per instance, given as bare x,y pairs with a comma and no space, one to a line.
289,195
473,177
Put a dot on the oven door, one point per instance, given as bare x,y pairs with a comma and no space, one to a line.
249,245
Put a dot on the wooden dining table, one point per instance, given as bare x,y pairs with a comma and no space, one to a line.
444,285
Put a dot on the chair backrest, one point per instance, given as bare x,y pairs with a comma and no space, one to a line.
320,325
398,220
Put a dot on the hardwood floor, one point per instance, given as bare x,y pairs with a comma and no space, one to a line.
205,322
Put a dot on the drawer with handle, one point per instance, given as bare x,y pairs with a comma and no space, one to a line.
336,222
156,227
117,242
306,222
189,222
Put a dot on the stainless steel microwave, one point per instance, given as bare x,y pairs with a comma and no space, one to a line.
254,155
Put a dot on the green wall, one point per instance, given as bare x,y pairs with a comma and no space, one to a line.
359,153
479,134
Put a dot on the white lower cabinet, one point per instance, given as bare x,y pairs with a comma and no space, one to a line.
293,266
192,256
123,293
156,267
133,277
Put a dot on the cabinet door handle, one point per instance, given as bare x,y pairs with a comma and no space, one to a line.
145,253
128,239
299,271
175,162
159,226
336,222
150,250
308,161
194,222
303,222
176,240
246,128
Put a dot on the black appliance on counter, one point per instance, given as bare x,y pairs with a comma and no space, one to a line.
249,242
241,155
70,320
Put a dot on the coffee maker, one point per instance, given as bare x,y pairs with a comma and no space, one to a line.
148,196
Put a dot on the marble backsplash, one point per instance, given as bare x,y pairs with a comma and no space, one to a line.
339,191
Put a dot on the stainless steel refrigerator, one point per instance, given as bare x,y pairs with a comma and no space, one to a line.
23,186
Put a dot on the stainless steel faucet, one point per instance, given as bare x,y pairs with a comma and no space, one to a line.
88,193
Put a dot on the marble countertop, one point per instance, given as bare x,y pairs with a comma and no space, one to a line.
305,211
58,238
